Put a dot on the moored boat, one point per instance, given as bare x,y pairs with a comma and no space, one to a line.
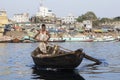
5,41
56,40
28,39
78,39
15,40
104,39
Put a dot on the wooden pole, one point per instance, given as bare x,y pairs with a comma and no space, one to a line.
92,59
85,56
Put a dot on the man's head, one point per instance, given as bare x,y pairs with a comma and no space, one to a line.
43,27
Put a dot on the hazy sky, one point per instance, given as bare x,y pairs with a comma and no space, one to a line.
102,8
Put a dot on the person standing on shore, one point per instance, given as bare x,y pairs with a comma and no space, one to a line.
43,36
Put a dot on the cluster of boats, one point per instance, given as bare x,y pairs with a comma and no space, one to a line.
92,39
27,39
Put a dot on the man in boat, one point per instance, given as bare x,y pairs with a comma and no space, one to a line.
43,36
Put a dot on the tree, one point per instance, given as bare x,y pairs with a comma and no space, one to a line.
116,18
87,16
80,19
90,16
96,23
37,19
103,20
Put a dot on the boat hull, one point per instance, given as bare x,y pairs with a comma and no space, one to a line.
59,61
79,39
56,40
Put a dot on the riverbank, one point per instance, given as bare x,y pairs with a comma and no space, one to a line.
68,36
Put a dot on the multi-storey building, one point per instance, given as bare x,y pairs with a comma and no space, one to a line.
3,21
3,18
45,12
70,19
87,24
24,17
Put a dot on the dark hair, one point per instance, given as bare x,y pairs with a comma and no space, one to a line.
43,25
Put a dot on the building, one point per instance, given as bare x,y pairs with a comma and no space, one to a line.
44,12
114,23
3,18
70,19
3,21
87,24
45,15
24,17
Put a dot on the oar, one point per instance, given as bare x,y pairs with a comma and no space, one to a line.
85,56
91,58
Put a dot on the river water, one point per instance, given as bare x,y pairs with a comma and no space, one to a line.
16,62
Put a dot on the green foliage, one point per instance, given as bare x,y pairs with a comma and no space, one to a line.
103,20
80,19
87,16
95,23
36,19
90,16
116,18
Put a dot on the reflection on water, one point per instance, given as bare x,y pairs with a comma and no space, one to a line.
43,74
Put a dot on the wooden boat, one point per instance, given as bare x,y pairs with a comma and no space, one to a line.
5,41
56,40
59,60
28,41
15,40
104,39
78,39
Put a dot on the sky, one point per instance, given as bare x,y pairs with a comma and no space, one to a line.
102,8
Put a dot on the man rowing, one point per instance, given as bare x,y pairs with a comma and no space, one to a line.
43,36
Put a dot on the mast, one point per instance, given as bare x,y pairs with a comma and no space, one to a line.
41,2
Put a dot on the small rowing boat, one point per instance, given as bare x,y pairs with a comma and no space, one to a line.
60,59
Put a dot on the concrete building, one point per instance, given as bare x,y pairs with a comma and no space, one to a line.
3,18
44,12
45,15
70,19
115,23
3,21
87,24
24,17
